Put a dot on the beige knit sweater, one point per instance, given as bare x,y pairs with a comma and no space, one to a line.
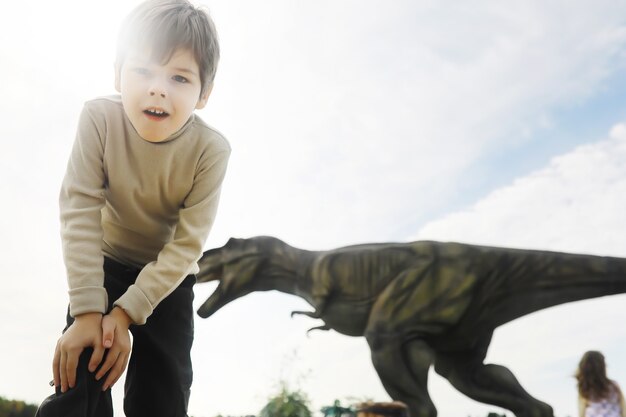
145,204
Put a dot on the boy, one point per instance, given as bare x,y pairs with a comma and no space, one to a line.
137,203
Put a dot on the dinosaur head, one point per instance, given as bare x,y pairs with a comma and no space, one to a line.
236,266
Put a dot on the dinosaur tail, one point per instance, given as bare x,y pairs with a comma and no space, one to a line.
518,282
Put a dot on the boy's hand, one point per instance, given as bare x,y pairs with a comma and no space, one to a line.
84,332
115,337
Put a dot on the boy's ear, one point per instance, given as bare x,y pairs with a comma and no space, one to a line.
118,77
204,97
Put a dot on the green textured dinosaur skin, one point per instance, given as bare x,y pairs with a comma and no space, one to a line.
418,304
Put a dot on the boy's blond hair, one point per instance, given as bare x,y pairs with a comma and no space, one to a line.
163,26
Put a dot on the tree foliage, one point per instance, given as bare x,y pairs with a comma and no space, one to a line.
287,403
12,408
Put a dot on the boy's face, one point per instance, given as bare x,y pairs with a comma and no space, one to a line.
159,98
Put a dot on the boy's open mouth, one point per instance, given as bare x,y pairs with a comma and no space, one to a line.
155,114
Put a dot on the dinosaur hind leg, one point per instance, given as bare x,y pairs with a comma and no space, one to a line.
403,371
491,384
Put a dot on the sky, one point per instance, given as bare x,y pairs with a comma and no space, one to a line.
499,123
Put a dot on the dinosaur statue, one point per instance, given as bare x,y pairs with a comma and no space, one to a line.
418,304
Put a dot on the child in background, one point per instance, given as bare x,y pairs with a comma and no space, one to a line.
139,197
598,396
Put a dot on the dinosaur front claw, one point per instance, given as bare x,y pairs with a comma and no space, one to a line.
312,314
324,327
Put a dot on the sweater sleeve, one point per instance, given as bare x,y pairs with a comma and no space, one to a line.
80,201
179,257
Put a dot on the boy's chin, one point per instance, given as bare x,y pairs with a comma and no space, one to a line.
153,135
154,138
156,133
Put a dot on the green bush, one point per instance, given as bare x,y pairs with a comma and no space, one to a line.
287,403
12,408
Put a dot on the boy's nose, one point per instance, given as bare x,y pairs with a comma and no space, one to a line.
155,91
157,87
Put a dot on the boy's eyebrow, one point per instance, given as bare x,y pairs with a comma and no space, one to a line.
187,70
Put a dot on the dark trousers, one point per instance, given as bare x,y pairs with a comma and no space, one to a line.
159,373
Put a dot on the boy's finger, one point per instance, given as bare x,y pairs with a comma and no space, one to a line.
116,372
56,362
71,364
108,363
96,357
108,331
111,378
62,372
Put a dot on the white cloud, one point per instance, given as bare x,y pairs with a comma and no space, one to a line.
571,205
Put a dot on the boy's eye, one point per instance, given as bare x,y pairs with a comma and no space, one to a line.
180,79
